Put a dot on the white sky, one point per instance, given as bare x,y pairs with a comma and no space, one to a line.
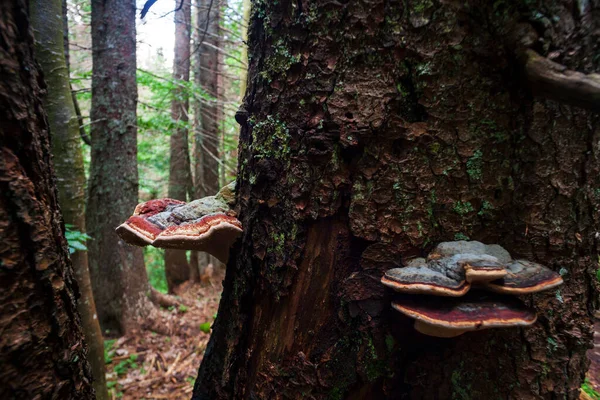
156,32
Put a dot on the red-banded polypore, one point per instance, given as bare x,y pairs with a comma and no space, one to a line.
452,269
208,224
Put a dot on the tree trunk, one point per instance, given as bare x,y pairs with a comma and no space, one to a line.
376,130
47,20
246,8
206,131
177,269
42,351
118,274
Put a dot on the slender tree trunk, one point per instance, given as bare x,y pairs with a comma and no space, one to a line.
47,22
42,351
118,274
378,129
177,268
246,7
207,168
207,139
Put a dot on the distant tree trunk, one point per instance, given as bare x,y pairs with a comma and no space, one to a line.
246,8
208,169
377,129
177,268
47,21
42,351
206,124
119,277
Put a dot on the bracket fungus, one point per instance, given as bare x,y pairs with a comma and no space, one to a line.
436,316
208,224
452,269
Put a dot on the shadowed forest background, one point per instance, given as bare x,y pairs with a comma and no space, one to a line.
191,62
360,134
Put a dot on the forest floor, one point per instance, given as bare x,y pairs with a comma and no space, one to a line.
150,365
593,375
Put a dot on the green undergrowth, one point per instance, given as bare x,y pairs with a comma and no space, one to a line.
589,390
119,369
76,239
155,266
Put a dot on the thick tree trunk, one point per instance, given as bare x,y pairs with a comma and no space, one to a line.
378,129
42,351
177,268
206,112
118,274
47,20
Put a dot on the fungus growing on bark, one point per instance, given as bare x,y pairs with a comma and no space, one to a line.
452,269
435,316
441,279
137,230
525,277
206,224
482,268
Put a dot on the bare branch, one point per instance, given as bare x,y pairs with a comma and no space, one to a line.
555,81
146,8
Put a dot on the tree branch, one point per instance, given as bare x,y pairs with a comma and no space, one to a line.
146,7
556,82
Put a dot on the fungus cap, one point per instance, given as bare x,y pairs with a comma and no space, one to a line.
480,268
449,249
525,277
207,224
423,280
475,311
214,234
138,230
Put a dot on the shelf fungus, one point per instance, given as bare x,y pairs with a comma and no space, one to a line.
437,316
208,224
452,269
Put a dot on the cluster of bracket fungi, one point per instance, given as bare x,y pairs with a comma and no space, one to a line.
437,291
208,224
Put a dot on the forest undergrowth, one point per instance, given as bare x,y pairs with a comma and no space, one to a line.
147,364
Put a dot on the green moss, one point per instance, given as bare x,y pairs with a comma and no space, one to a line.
402,90
486,208
552,345
336,394
422,6
374,367
475,166
461,236
463,208
278,241
270,139
461,390
279,61
390,342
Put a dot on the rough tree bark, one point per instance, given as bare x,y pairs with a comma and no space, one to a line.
177,269
47,21
118,274
377,129
206,112
42,351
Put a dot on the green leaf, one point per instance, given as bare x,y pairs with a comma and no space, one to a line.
205,327
78,246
